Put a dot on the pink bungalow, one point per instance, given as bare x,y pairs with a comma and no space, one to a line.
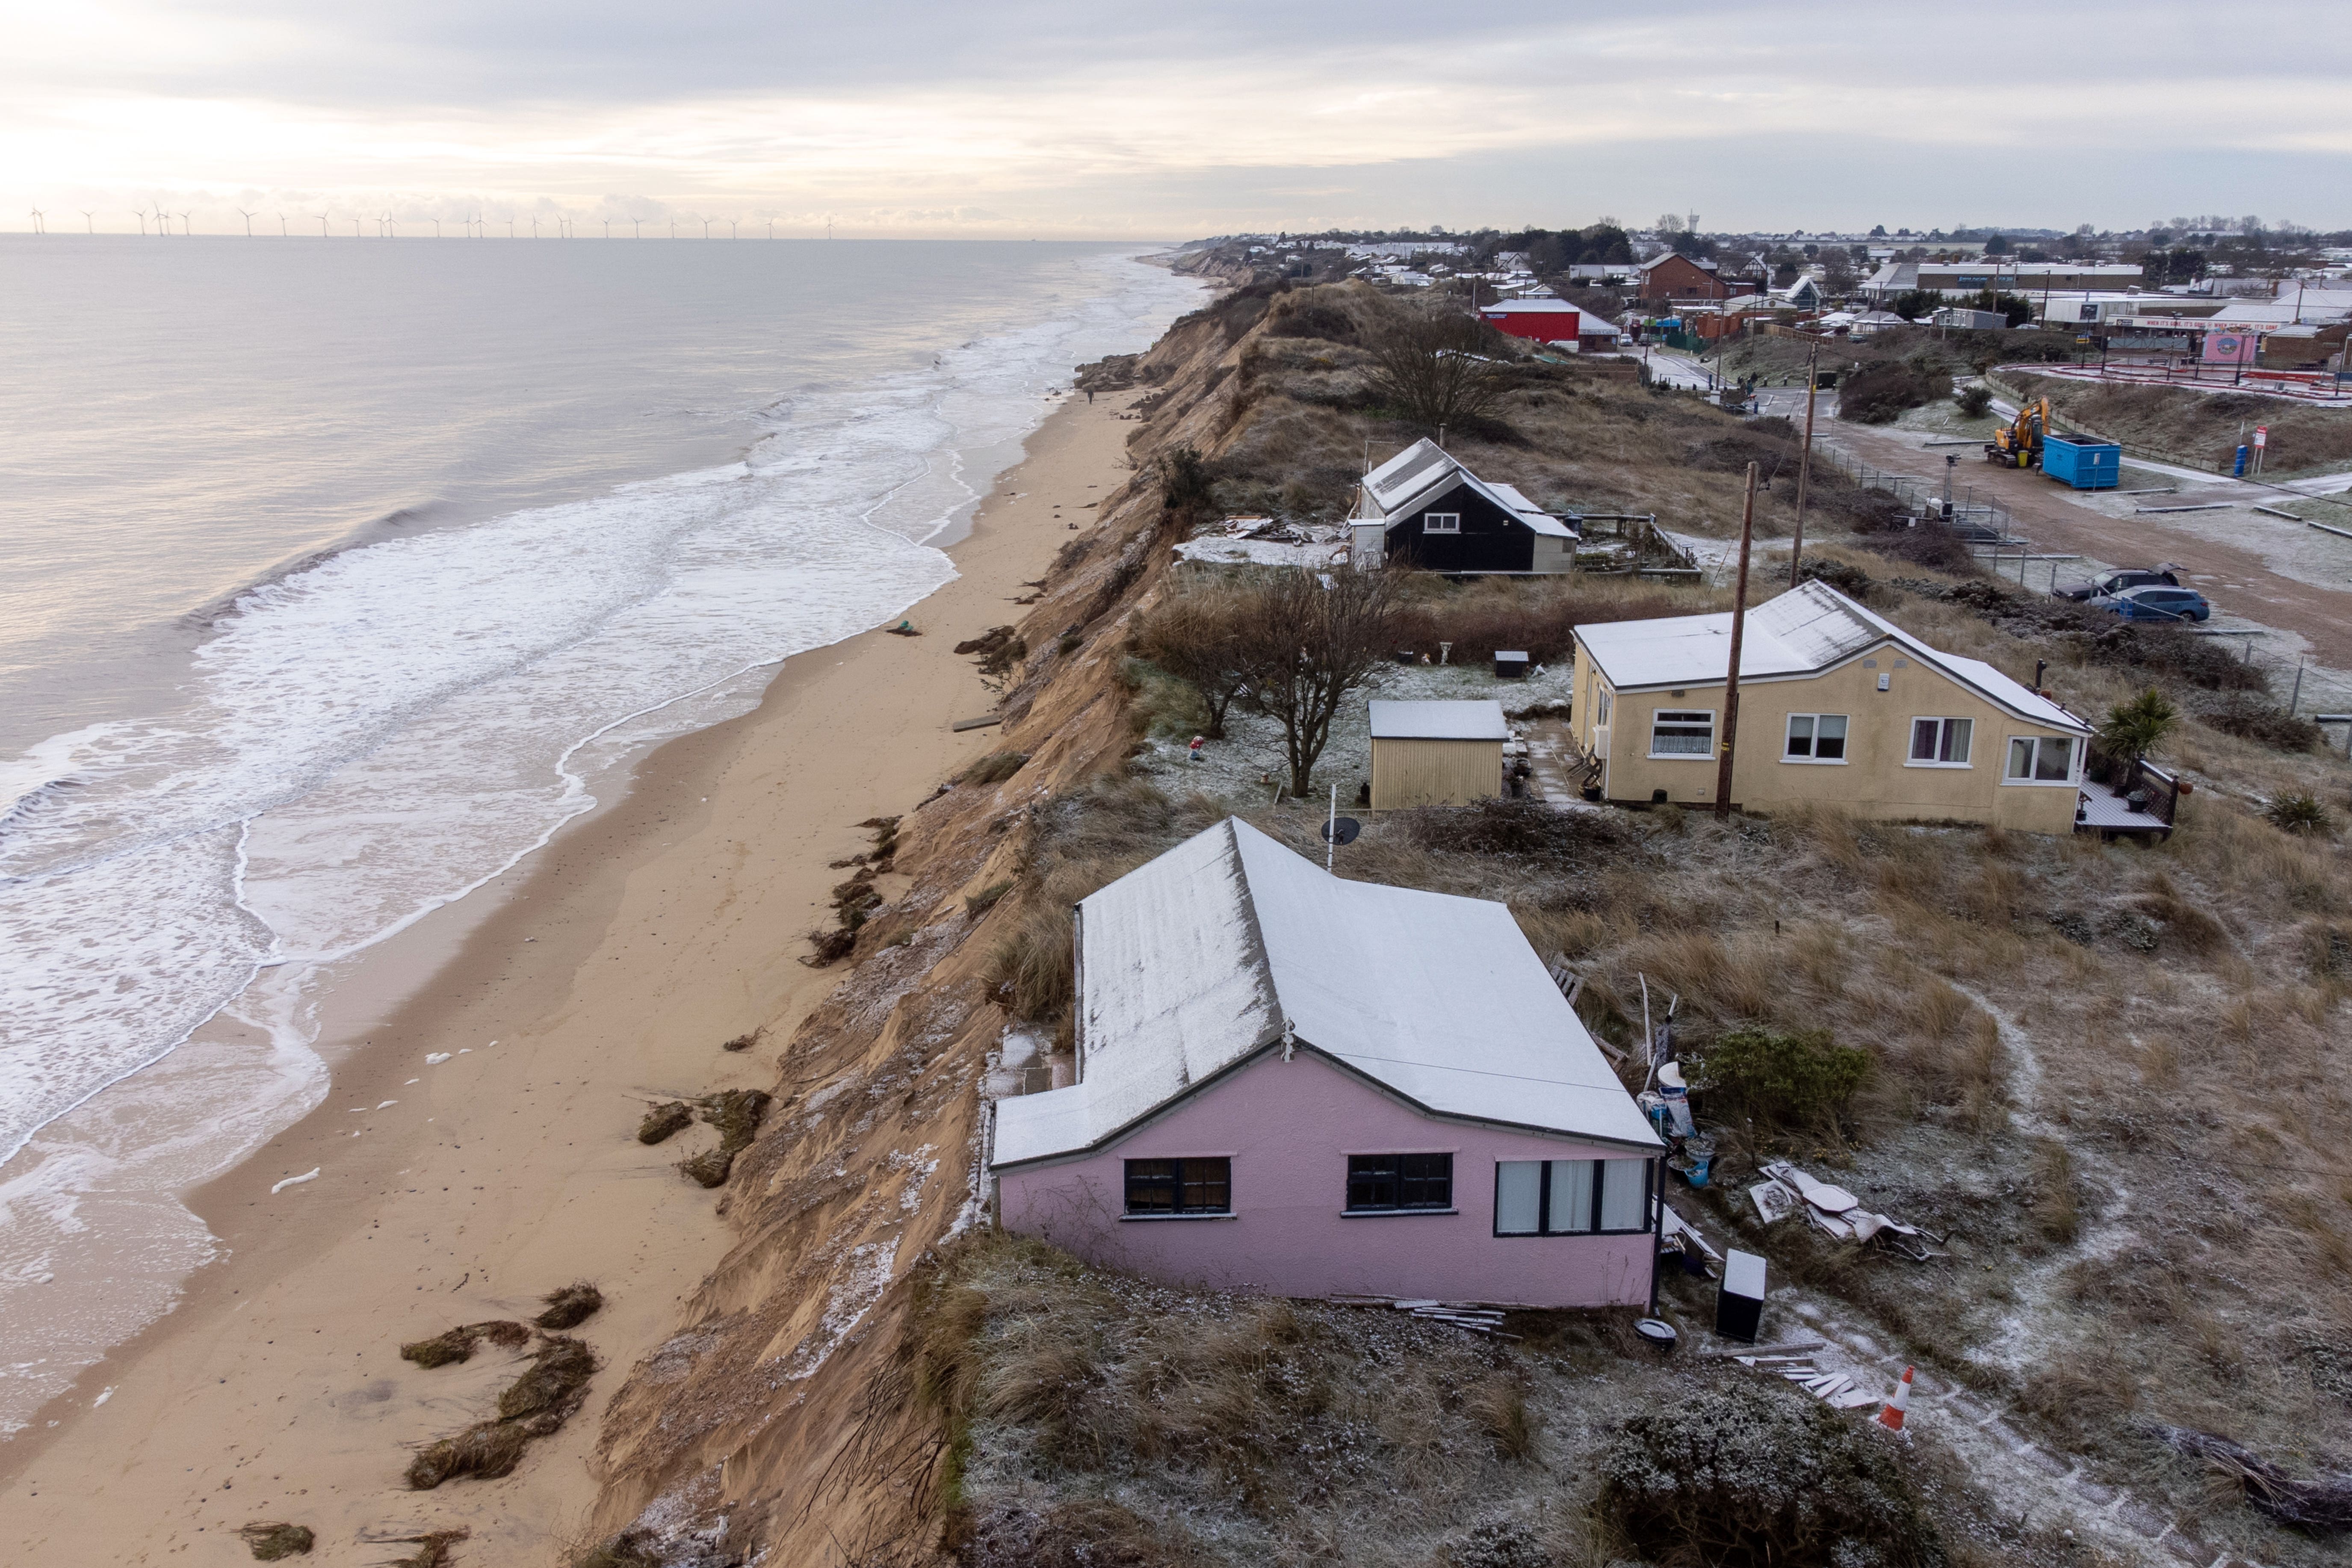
1294,1083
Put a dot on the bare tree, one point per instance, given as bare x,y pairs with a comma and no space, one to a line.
1203,636
1437,367
1307,646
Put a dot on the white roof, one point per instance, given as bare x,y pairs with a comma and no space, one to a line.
1197,962
1424,470
1807,631
1465,720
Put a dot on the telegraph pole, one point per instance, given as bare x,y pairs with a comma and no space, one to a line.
1805,461
1731,674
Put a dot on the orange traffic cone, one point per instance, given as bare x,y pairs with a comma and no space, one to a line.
1891,1416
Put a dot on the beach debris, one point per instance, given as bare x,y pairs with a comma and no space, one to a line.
1836,1213
2324,1502
745,1042
903,629
571,1306
309,1176
459,1344
535,1405
670,1116
435,1059
736,1113
1794,1363
272,1540
998,652
386,1104
433,1550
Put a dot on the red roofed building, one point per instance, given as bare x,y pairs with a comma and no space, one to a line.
1555,322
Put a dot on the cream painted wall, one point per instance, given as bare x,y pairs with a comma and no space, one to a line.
1875,780
1434,773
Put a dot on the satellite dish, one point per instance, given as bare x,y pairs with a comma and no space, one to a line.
1342,830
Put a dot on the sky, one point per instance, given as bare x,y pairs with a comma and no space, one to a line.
1118,119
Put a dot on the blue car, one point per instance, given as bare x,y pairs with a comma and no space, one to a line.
2155,602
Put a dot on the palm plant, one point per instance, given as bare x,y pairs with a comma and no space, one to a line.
2134,728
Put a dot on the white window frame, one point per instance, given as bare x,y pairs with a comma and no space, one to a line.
2073,761
1604,703
1815,740
1684,715
1945,721
1441,522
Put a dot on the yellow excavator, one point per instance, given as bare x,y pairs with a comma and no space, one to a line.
2020,446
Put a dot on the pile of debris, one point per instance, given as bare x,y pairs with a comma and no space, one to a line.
1460,1314
1795,1363
1836,1213
1267,541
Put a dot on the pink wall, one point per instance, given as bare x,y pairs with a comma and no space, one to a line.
1288,1128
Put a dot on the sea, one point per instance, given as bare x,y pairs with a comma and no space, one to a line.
337,576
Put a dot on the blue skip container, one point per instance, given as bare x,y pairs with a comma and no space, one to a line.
2085,465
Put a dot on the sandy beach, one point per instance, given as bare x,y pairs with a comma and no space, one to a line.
602,974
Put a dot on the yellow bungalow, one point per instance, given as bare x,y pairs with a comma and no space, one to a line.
1836,706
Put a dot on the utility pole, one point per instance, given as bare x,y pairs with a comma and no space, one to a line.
1731,673
1805,460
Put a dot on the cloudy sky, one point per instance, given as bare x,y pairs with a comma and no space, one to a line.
1170,119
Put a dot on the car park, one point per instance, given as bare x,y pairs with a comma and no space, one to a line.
2155,602
2081,590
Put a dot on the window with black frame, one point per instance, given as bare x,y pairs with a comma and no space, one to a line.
1571,1198
1400,1183
1193,1185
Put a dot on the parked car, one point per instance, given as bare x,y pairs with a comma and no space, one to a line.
2154,601
2116,581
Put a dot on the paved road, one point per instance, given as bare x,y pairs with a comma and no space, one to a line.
2235,576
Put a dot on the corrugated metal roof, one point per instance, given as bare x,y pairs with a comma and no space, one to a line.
1459,721
1194,962
1421,461
1809,629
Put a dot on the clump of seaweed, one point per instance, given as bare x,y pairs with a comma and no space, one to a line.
571,1306
535,1405
670,1116
630,1549
854,903
272,1540
745,1042
459,1343
736,1114
488,1448
432,1551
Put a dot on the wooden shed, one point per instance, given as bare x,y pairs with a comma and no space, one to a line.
1436,754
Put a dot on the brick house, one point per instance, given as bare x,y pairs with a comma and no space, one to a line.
1673,277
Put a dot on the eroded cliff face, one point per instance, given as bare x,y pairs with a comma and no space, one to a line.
784,1416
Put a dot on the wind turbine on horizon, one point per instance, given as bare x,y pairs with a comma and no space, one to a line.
356,228
249,222
322,226
89,218
437,229
730,228
390,232
184,224
281,225
771,228
38,225
639,224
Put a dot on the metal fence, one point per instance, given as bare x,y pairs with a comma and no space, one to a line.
1978,519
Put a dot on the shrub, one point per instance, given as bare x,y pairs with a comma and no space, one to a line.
2250,718
1512,827
2300,814
1878,394
1740,1476
2131,730
1975,401
1799,1080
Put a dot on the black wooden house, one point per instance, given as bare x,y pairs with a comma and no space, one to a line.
1422,508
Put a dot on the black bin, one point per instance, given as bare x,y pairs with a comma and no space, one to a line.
1740,1299
1510,666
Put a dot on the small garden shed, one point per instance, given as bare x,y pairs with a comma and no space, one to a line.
1436,754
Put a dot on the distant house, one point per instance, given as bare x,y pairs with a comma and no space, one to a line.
1673,278
1836,706
1295,1083
1436,754
1993,272
1555,322
1422,508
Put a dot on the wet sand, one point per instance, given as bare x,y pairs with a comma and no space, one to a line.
603,973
